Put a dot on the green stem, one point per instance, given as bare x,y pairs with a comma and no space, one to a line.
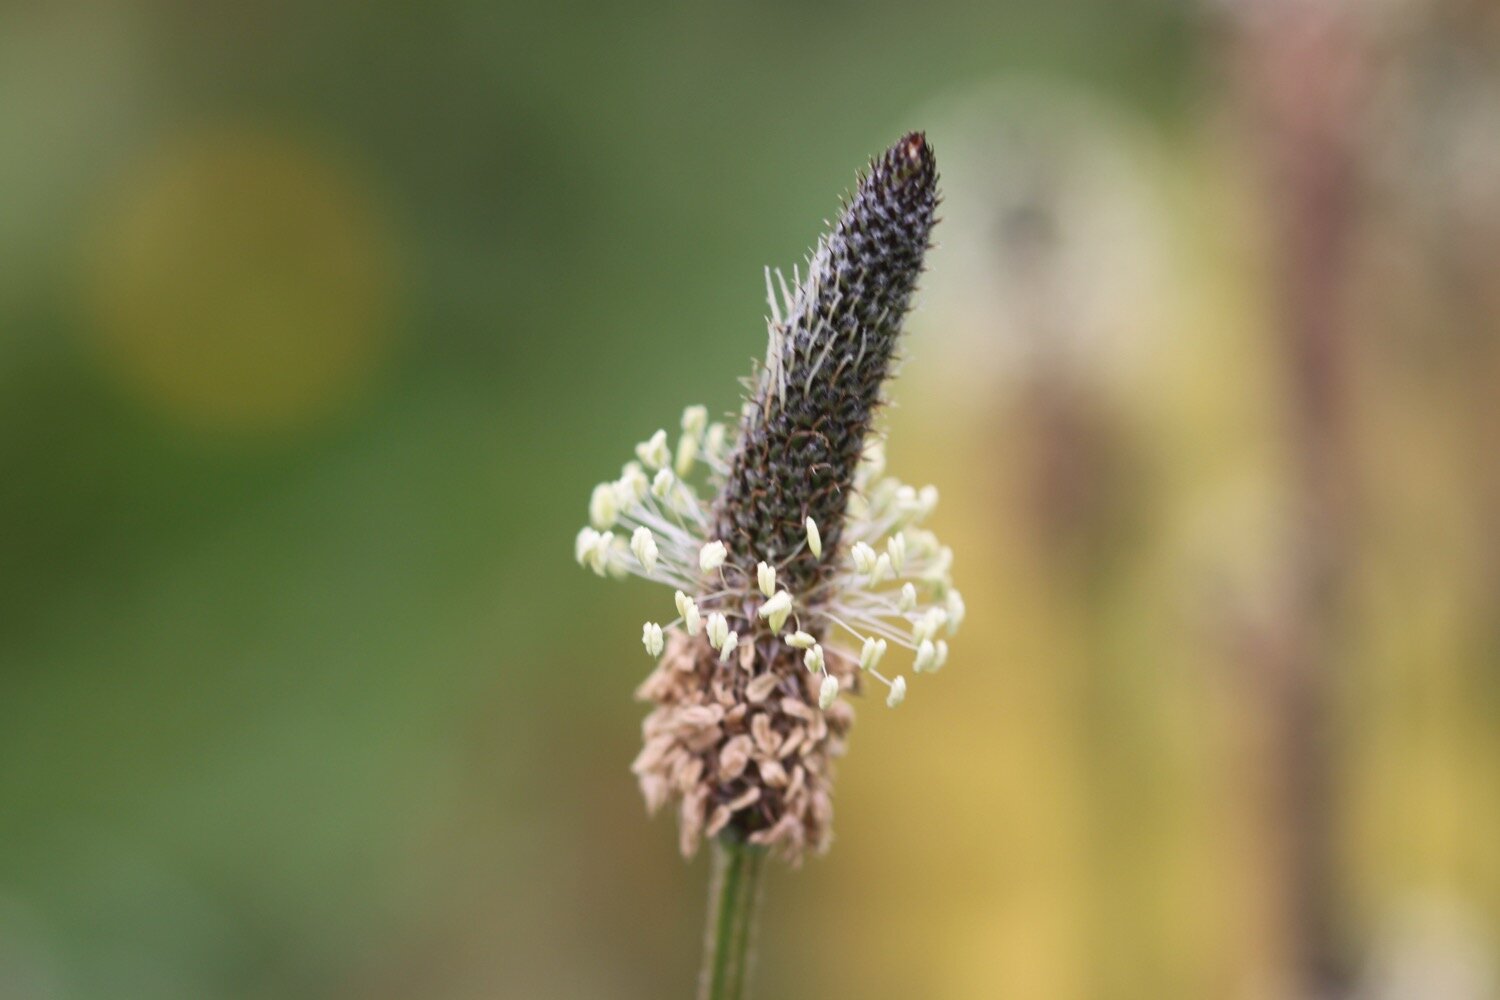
733,896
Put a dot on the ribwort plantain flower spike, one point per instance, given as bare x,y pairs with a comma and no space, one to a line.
786,520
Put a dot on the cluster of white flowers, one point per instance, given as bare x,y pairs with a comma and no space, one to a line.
891,585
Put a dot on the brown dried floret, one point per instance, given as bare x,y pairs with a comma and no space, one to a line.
764,771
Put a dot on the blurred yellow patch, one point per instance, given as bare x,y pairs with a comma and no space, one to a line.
241,282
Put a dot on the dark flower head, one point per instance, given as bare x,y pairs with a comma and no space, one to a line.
807,564
830,354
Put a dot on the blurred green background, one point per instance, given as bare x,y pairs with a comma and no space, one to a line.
318,322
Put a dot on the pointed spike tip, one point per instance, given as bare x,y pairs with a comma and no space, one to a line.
914,145
833,353
911,159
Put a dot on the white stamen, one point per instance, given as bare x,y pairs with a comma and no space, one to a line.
651,638
870,655
828,693
765,575
717,630
687,454
644,547
654,453
906,502
615,558
956,611
599,555
800,640
864,558
583,545
814,539
661,486
882,570
926,653
694,419
713,441
775,610
941,657
927,626
727,650
814,659
895,547
684,501
712,556
604,506
688,609
898,692
923,542
632,484
908,598
927,501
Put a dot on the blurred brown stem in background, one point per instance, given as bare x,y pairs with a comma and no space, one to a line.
1072,482
1301,72
1077,493
1451,74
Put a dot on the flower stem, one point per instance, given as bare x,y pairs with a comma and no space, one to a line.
733,897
